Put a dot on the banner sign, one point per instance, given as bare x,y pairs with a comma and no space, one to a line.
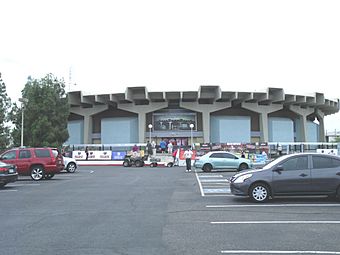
93,155
328,151
178,121
118,155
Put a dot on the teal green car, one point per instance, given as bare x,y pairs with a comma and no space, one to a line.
222,160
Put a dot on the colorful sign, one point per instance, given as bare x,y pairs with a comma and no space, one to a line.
118,155
178,121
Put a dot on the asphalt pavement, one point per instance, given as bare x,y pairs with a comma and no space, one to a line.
117,210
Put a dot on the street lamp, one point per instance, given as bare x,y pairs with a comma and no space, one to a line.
192,140
23,102
150,128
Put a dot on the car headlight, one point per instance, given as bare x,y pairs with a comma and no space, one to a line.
242,178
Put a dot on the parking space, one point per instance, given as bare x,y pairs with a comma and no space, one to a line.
214,183
25,182
286,225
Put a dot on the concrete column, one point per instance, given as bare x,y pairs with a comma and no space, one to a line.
205,109
320,115
87,113
263,111
142,110
303,113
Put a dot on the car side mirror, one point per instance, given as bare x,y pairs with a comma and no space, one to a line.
278,169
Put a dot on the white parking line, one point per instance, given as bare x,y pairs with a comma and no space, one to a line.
278,205
26,184
216,190
10,190
210,176
199,184
277,252
215,180
275,222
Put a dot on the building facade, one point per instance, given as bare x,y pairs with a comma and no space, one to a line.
208,115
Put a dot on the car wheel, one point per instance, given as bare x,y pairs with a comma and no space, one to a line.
338,194
207,168
139,163
170,164
259,192
243,166
49,176
2,185
37,173
71,167
126,163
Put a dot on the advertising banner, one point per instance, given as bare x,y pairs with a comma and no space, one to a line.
118,155
180,121
93,155
328,151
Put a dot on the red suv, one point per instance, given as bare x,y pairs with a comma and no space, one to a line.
37,162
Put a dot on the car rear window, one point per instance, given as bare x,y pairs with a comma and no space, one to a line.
42,153
322,162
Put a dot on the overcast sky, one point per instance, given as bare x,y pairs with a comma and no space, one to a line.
174,45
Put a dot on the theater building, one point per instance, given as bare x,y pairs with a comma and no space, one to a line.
207,115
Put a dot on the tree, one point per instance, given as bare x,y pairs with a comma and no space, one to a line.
5,105
45,113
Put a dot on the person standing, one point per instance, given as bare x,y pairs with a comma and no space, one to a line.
170,147
187,155
162,144
153,145
149,148
87,152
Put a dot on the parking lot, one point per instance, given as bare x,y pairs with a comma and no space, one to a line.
116,210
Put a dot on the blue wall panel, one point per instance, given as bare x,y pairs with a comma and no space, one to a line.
76,132
281,130
119,130
230,129
312,132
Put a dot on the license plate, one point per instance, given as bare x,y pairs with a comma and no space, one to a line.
11,171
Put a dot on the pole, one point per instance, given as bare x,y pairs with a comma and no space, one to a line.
22,126
191,137
150,135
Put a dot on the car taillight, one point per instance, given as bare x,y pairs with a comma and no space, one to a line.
3,169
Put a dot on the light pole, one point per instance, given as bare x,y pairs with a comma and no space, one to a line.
23,102
191,127
150,128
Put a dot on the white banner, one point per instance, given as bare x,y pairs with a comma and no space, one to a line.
328,151
93,155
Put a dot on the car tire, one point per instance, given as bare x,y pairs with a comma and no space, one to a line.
138,163
2,185
49,176
337,196
243,166
71,167
37,173
207,168
170,164
126,163
259,192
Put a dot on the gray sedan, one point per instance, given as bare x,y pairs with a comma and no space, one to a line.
294,174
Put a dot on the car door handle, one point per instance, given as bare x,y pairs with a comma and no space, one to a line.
303,175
